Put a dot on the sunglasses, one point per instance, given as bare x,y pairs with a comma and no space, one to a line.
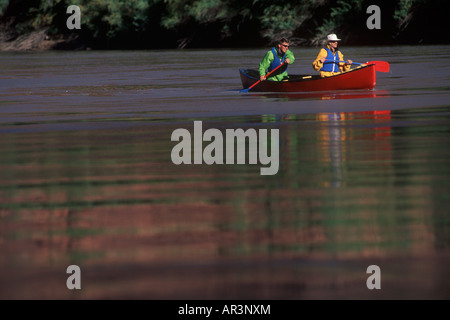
285,45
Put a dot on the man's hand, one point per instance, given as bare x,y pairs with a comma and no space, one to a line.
287,60
262,78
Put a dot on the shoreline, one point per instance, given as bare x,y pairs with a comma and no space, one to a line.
39,40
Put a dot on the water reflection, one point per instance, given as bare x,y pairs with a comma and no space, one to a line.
86,178
333,153
95,199
357,94
334,132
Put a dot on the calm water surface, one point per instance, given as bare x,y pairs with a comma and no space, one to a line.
86,178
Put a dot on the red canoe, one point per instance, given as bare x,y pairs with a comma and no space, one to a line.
363,77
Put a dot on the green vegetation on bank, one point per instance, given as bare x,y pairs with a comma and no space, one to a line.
122,24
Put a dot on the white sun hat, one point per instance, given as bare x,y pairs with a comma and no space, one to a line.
332,37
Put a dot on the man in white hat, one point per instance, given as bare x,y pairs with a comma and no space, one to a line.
329,61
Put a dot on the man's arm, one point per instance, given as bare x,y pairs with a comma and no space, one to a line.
343,66
265,63
290,56
318,63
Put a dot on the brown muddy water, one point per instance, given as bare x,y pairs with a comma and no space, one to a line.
87,179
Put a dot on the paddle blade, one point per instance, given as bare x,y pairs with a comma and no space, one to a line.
248,89
381,66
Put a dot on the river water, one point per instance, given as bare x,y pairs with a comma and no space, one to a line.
87,179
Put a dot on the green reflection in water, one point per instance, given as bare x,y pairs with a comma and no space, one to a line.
349,183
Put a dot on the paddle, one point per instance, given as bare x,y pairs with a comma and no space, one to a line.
381,66
246,90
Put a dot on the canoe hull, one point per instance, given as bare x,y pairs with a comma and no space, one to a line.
355,79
